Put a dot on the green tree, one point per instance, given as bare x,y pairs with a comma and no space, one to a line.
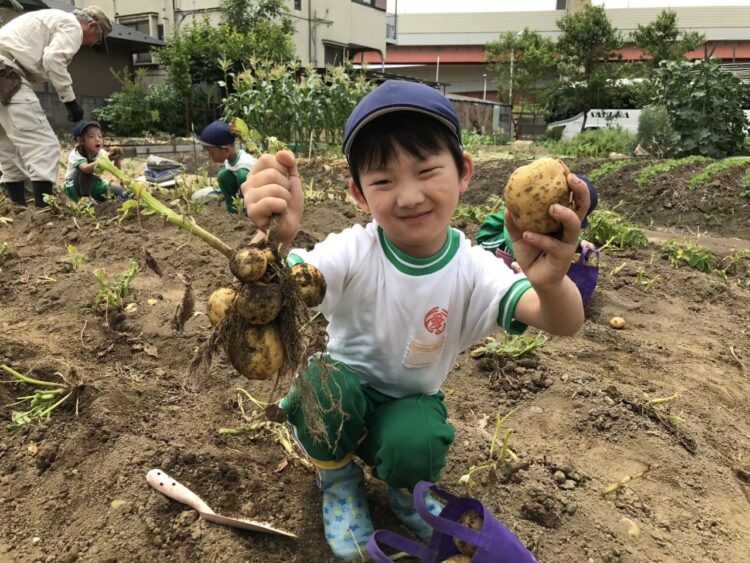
663,40
534,62
246,14
586,48
704,104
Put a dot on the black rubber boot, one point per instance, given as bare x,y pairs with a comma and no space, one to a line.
41,188
16,191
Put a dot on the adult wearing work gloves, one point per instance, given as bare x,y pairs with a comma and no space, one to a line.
37,47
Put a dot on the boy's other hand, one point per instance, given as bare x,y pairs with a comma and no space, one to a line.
580,197
116,153
273,187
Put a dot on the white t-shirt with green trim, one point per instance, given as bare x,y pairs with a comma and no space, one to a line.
400,322
75,158
242,160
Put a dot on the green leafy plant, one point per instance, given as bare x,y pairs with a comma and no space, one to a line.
607,228
511,345
689,252
655,131
129,111
494,461
478,213
473,141
594,142
646,174
737,265
609,168
714,168
76,258
47,396
53,203
705,107
112,292
745,184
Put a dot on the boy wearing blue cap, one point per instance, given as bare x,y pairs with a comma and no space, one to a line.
406,294
219,142
80,180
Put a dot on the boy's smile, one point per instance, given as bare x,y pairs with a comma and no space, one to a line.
413,200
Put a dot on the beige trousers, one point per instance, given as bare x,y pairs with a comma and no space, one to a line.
29,149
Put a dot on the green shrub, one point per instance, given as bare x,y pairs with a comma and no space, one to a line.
473,140
745,184
608,228
595,142
554,133
714,168
129,111
655,131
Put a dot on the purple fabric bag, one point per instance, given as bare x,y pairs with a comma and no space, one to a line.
495,543
583,275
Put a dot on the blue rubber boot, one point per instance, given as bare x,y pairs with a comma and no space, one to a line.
402,505
346,518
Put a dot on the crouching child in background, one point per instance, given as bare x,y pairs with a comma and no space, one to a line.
80,180
219,142
406,293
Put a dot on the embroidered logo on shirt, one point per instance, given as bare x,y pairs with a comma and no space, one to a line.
434,320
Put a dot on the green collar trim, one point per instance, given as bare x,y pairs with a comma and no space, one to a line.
420,266
236,158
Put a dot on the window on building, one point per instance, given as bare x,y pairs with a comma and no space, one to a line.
298,5
334,55
562,4
144,26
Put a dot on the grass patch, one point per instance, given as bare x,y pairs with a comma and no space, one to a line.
609,168
714,168
650,172
745,184
607,228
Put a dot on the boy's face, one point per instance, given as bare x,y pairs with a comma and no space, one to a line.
216,154
92,140
413,200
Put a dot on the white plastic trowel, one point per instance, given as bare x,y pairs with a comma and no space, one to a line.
172,488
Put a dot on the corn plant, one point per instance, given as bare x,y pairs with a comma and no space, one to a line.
76,258
689,252
607,228
494,461
47,396
714,168
648,173
112,292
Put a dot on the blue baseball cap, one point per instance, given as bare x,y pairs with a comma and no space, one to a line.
80,127
400,95
217,134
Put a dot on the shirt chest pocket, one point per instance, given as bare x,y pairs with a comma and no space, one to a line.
421,352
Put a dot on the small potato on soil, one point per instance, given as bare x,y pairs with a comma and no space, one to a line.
219,303
617,322
470,519
530,191
259,303
258,354
311,285
458,558
248,264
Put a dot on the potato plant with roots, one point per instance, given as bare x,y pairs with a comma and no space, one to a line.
263,322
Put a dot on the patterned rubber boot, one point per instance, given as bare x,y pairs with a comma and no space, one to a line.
346,518
402,505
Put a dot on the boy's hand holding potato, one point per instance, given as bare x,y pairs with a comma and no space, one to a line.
541,198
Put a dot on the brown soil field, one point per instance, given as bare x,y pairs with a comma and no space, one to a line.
73,488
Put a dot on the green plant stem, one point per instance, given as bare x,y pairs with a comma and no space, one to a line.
49,409
29,380
176,219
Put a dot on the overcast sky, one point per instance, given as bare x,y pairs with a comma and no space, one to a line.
416,6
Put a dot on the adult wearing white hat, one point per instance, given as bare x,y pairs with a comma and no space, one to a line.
38,47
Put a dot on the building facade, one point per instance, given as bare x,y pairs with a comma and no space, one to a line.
327,32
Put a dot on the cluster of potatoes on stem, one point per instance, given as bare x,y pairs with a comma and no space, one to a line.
256,347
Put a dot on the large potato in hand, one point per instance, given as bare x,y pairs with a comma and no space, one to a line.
530,191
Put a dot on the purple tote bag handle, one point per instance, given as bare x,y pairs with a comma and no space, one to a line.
392,539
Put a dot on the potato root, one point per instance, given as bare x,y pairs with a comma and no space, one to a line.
470,519
311,285
258,354
260,302
248,264
219,303
530,191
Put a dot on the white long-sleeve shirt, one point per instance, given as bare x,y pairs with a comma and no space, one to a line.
43,44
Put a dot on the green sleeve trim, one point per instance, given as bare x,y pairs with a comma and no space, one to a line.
293,259
77,163
507,307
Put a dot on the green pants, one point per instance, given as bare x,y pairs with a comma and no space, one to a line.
82,183
405,440
229,184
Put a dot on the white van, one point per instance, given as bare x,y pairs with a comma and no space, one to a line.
626,119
